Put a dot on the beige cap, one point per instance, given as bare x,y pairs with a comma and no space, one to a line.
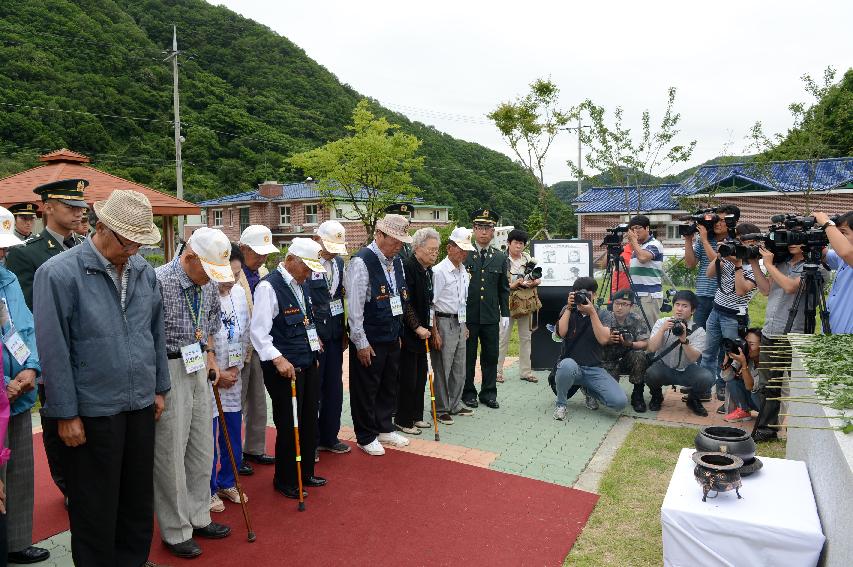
395,226
259,238
128,213
333,235
7,224
308,251
461,236
214,250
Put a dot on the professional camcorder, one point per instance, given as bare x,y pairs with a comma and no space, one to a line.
679,327
530,271
707,218
790,230
614,235
741,251
668,298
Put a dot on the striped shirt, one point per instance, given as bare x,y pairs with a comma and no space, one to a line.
726,298
705,286
647,275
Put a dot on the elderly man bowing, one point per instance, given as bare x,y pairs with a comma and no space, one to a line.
284,335
183,441
99,314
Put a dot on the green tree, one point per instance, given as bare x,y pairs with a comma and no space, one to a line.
369,170
529,126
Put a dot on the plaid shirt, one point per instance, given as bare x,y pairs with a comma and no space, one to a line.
175,285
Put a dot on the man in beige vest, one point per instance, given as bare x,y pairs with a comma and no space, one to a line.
256,244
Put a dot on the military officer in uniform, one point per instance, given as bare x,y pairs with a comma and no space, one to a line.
63,205
25,218
488,309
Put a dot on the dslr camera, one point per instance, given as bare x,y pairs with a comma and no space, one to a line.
735,346
679,326
530,271
625,334
582,297
614,235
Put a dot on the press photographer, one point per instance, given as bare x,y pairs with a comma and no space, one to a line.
678,344
524,276
740,370
840,259
712,226
646,268
583,336
624,354
735,288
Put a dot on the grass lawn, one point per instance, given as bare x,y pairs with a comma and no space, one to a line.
624,528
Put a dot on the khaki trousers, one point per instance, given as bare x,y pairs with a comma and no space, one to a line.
524,341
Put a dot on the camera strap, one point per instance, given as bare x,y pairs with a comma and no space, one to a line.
659,355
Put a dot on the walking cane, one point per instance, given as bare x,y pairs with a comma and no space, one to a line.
301,507
431,388
211,375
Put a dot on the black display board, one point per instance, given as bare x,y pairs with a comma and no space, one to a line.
562,261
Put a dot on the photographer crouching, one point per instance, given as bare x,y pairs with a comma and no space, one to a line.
583,336
678,343
740,370
625,352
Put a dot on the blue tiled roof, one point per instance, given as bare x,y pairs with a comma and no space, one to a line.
612,199
289,192
782,176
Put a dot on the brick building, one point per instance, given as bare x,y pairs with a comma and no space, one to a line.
295,209
760,191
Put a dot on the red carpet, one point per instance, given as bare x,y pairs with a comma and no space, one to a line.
400,509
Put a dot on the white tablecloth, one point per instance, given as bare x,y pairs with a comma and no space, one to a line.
776,522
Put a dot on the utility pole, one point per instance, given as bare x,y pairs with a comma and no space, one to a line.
179,166
579,128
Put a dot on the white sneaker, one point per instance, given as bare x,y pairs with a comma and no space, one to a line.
393,439
373,448
423,424
216,505
560,413
232,494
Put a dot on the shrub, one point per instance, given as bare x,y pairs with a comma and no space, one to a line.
679,273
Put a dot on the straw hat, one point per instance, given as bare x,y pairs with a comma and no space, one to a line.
395,226
7,224
128,213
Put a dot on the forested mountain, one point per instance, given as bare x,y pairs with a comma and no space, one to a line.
90,75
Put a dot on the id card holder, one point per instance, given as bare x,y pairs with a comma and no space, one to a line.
462,314
313,337
337,307
396,305
193,360
16,346
432,318
235,354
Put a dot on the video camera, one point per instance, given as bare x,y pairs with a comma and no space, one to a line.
614,235
707,218
530,271
741,251
789,230
668,298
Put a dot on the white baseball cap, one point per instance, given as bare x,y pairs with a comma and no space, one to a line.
461,236
214,250
333,235
259,238
308,251
7,224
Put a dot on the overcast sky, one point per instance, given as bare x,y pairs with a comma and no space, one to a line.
450,63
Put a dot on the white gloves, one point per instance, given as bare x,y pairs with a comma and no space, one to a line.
504,322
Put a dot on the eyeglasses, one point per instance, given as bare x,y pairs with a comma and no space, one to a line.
126,247
622,304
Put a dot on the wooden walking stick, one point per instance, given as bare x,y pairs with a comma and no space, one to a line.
211,375
431,388
301,507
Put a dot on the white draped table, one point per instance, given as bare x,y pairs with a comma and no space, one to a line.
775,523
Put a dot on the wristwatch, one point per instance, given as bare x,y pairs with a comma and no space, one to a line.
826,224
738,268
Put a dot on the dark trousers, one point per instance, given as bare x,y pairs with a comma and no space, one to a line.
703,309
4,549
768,413
52,445
307,402
489,337
412,380
373,391
110,483
693,376
331,392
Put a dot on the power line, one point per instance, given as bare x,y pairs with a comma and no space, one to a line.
99,115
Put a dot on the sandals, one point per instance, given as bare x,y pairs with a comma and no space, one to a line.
530,378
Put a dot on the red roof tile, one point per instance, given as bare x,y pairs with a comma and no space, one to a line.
66,164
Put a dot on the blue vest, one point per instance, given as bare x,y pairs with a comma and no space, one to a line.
288,331
328,327
380,325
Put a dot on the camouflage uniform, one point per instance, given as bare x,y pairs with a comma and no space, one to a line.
618,359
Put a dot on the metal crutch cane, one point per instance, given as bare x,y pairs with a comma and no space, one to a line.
431,388
211,375
301,507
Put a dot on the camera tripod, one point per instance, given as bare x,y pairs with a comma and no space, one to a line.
810,290
616,264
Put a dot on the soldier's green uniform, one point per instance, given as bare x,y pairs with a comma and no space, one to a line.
25,210
488,302
23,261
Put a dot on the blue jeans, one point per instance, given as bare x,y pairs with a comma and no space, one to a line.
703,309
719,326
693,376
594,378
741,397
224,478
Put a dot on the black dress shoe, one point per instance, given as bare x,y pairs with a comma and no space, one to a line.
31,554
313,481
212,531
655,404
490,403
186,549
289,491
260,459
246,470
470,403
696,406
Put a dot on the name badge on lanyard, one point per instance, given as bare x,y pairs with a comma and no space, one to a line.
193,360
313,337
15,344
462,313
396,305
235,354
337,307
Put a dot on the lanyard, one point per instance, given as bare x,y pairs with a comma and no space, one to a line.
230,321
198,297
297,290
330,275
